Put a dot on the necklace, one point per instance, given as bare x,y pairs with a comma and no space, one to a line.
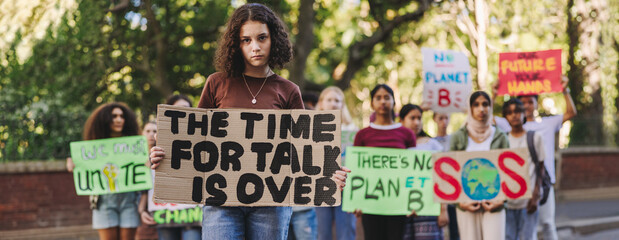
253,101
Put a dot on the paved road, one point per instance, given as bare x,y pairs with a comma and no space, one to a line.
603,235
586,209
588,216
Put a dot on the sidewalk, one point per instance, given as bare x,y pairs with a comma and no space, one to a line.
84,232
576,218
588,219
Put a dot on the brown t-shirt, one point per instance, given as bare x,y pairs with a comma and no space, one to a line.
221,91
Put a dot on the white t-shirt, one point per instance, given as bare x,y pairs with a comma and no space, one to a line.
430,145
547,128
444,141
484,146
521,142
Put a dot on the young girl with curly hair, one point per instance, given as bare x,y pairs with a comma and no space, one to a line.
255,41
115,215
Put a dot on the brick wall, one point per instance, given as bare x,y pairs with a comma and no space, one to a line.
42,194
589,168
40,199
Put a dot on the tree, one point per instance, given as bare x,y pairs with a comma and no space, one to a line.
361,50
304,43
585,25
141,51
139,55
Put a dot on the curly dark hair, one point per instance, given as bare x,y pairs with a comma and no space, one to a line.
98,124
229,57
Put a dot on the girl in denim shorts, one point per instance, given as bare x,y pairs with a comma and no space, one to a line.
115,215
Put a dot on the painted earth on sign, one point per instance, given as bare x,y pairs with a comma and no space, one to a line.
480,179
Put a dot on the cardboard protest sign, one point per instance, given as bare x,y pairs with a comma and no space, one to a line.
530,73
247,157
111,165
174,215
447,80
483,175
386,181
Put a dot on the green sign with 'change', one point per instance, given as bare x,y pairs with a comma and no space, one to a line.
112,165
387,181
178,217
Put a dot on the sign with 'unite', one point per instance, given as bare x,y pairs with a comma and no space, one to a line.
112,165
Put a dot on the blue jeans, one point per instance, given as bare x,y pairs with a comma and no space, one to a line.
245,222
345,223
303,225
178,233
520,225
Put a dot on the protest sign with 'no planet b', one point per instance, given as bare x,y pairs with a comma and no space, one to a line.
447,80
248,157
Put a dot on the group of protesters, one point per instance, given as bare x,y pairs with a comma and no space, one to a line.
254,43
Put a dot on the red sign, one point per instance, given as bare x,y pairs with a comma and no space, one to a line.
530,73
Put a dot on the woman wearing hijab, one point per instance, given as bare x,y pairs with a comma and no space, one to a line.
481,219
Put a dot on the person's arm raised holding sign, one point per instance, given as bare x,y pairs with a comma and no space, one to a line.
255,40
547,127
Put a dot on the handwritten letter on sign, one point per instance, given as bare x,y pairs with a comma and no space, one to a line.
237,157
174,215
530,73
484,175
386,181
447,80
112,165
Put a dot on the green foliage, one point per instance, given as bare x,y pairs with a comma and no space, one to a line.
39,129
154,48
94,57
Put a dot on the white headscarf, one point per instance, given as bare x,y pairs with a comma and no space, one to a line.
479,130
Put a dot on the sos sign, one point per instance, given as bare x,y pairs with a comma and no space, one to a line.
483,175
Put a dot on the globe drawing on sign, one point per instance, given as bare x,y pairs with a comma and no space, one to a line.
480,179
